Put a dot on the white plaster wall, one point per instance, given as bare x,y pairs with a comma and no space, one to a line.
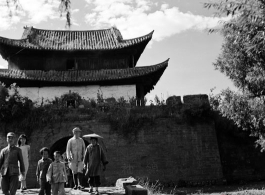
87,92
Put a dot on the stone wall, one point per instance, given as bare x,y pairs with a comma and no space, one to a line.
164,151
240,158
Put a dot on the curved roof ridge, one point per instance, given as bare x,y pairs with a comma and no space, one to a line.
114,29
92,30
106,39
8,39
149,35
159,64
41,78
110,71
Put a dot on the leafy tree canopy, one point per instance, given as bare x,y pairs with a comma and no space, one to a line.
242,59
64,8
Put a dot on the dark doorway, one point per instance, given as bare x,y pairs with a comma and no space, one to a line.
60,145
70,65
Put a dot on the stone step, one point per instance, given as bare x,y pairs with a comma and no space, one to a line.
135,190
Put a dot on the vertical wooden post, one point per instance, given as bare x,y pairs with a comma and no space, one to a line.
132,60
138,102
141,94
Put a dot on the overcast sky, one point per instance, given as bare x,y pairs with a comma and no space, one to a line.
180,33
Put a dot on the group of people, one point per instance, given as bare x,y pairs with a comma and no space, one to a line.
51,175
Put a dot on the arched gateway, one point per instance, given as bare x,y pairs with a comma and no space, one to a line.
60,145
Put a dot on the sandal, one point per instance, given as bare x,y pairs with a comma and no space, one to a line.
81,187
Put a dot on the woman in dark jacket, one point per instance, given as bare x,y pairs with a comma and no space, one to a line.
93,161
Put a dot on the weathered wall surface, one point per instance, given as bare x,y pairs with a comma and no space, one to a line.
240,159
86,92
164,151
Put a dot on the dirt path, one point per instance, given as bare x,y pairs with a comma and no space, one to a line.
69,191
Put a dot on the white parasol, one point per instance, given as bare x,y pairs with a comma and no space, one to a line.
93,135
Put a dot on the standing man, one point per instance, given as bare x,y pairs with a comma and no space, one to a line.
75,151
9,158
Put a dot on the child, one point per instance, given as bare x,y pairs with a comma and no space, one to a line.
68,171
57,175
42,170
22,143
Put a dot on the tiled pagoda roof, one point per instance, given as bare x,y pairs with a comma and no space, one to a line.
107,39
83,76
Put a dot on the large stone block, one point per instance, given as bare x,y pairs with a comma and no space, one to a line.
174,100
122,182
193,99
135,190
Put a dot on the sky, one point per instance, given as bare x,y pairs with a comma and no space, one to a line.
180,33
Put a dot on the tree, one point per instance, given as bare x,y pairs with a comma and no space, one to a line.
242,59
64,8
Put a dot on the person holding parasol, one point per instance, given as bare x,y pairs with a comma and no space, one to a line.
94,159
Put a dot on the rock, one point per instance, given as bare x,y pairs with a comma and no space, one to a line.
135,190
122,182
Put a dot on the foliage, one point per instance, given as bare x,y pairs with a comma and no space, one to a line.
242,59
247,113
64,8
69,97
13,105
159,102
124,116
153,188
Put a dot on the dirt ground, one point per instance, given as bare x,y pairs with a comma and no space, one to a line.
255,188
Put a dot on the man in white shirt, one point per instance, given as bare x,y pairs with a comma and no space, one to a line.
75,151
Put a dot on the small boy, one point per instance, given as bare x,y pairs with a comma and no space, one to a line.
42,169
56,175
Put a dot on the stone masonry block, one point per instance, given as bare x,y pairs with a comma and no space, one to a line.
122,182
173,100
135,190
191,99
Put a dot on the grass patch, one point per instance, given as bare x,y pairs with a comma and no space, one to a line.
240,192
252,188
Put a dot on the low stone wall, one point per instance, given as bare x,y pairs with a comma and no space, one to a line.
164,151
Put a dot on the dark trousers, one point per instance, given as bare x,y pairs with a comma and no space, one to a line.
94,181
44,187
9,184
